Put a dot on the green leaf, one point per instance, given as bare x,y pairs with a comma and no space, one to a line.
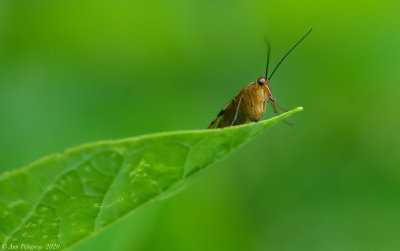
65,198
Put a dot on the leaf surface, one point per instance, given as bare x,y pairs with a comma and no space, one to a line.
65,198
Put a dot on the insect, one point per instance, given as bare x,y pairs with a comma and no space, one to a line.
250,103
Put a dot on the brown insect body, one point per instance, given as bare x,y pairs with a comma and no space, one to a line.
250,103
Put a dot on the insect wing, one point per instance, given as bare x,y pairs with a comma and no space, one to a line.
215,123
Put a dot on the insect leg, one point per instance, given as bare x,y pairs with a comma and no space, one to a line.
237,111
265,106
281,107
252,107
273,106
276,112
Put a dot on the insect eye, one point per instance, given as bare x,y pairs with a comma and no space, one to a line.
261,81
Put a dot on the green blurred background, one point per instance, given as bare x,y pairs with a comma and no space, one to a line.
79,71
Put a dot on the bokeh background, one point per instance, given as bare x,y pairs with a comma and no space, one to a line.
79,71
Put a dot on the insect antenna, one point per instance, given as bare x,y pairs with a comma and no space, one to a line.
289,53
268,54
